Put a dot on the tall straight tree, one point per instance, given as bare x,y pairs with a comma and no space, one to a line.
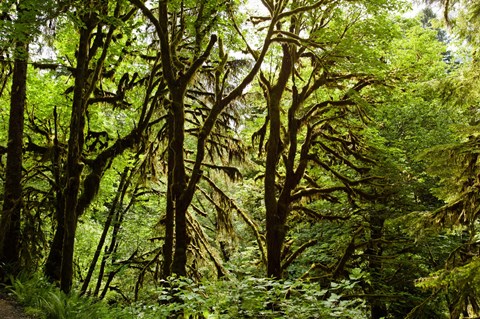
12,205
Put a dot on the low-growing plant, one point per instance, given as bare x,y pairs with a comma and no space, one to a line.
43,300
250,298
184,298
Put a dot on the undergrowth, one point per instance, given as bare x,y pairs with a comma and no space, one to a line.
183,298
43,300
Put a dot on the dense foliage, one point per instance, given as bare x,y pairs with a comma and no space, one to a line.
239,159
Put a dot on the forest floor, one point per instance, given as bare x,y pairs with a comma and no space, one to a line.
10,309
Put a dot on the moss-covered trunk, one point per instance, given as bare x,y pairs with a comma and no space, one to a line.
179,182
12,205
276,212
169,212
74,165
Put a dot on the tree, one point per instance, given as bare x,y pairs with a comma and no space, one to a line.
72,196
10,222
321,132
137,119
455,165
23,30
178,76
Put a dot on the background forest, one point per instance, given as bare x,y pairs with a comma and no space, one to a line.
240,159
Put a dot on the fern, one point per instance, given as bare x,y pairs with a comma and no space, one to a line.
43,300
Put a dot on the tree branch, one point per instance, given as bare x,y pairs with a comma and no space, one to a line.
296,253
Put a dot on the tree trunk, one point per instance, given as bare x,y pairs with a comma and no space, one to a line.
74,165
179,184
12,205
53,265
276,231
169,214
275,212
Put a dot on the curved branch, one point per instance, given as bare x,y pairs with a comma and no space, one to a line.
297,253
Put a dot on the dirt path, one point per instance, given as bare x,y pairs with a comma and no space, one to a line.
9,310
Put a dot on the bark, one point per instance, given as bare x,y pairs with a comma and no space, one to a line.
169,213
178,187
276,212
74,164
12,206
181,194
53,264
298,252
